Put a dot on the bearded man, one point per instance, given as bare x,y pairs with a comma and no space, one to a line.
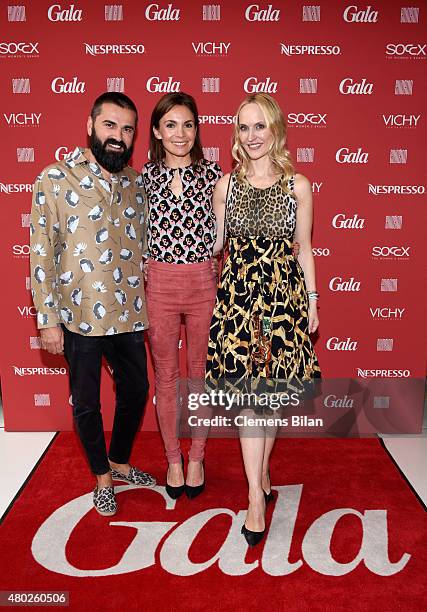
88,235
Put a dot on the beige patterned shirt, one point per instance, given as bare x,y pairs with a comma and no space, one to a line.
87,240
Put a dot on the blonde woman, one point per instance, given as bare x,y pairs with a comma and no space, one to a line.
266,303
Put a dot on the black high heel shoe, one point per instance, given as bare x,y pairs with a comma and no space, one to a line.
175,492
192,492
268,496
252,537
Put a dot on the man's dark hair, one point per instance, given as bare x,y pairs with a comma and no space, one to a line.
112,97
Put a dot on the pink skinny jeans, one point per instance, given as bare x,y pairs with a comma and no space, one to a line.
174,291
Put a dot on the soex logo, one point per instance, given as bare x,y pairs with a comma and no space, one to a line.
401,120
301,119
386,313
338,284
335,344
309,49
413,50
390,251
352,14
57,13
350,87
254,13
19,48
154,13
18,119
21,250
16,188
210,48
340,221
154,84
60,85
343,156
252,85
39,371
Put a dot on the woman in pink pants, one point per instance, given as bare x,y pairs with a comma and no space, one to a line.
181,281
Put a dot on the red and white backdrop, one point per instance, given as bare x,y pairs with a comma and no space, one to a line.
349,79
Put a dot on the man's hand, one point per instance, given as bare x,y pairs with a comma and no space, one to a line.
52,340
145,269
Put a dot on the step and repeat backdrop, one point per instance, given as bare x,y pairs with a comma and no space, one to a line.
349,78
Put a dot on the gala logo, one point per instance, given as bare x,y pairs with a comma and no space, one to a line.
63,153
57,13
149,545
153,12
335,344
332,401
154,85
352,14
344,156
349,87
252,85
60,86
340,221
338,284
254,13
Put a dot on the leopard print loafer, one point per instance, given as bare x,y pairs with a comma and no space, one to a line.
104,501
135,477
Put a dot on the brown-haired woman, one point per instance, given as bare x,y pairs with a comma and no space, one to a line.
181,281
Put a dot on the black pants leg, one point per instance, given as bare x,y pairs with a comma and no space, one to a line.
126,355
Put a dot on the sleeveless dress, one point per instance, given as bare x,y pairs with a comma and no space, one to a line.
259,337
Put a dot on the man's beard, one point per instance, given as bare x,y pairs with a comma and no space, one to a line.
111,161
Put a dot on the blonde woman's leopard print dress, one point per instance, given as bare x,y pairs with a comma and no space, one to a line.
259,330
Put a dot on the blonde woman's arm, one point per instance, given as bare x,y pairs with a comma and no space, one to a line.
304,224
218,202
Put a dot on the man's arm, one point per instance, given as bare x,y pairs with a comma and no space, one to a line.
44,239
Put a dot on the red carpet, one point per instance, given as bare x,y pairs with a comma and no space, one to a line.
346,533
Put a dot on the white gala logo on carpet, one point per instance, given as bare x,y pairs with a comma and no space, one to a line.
50,541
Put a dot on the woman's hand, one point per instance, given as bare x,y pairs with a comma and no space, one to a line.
313,319
215,266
